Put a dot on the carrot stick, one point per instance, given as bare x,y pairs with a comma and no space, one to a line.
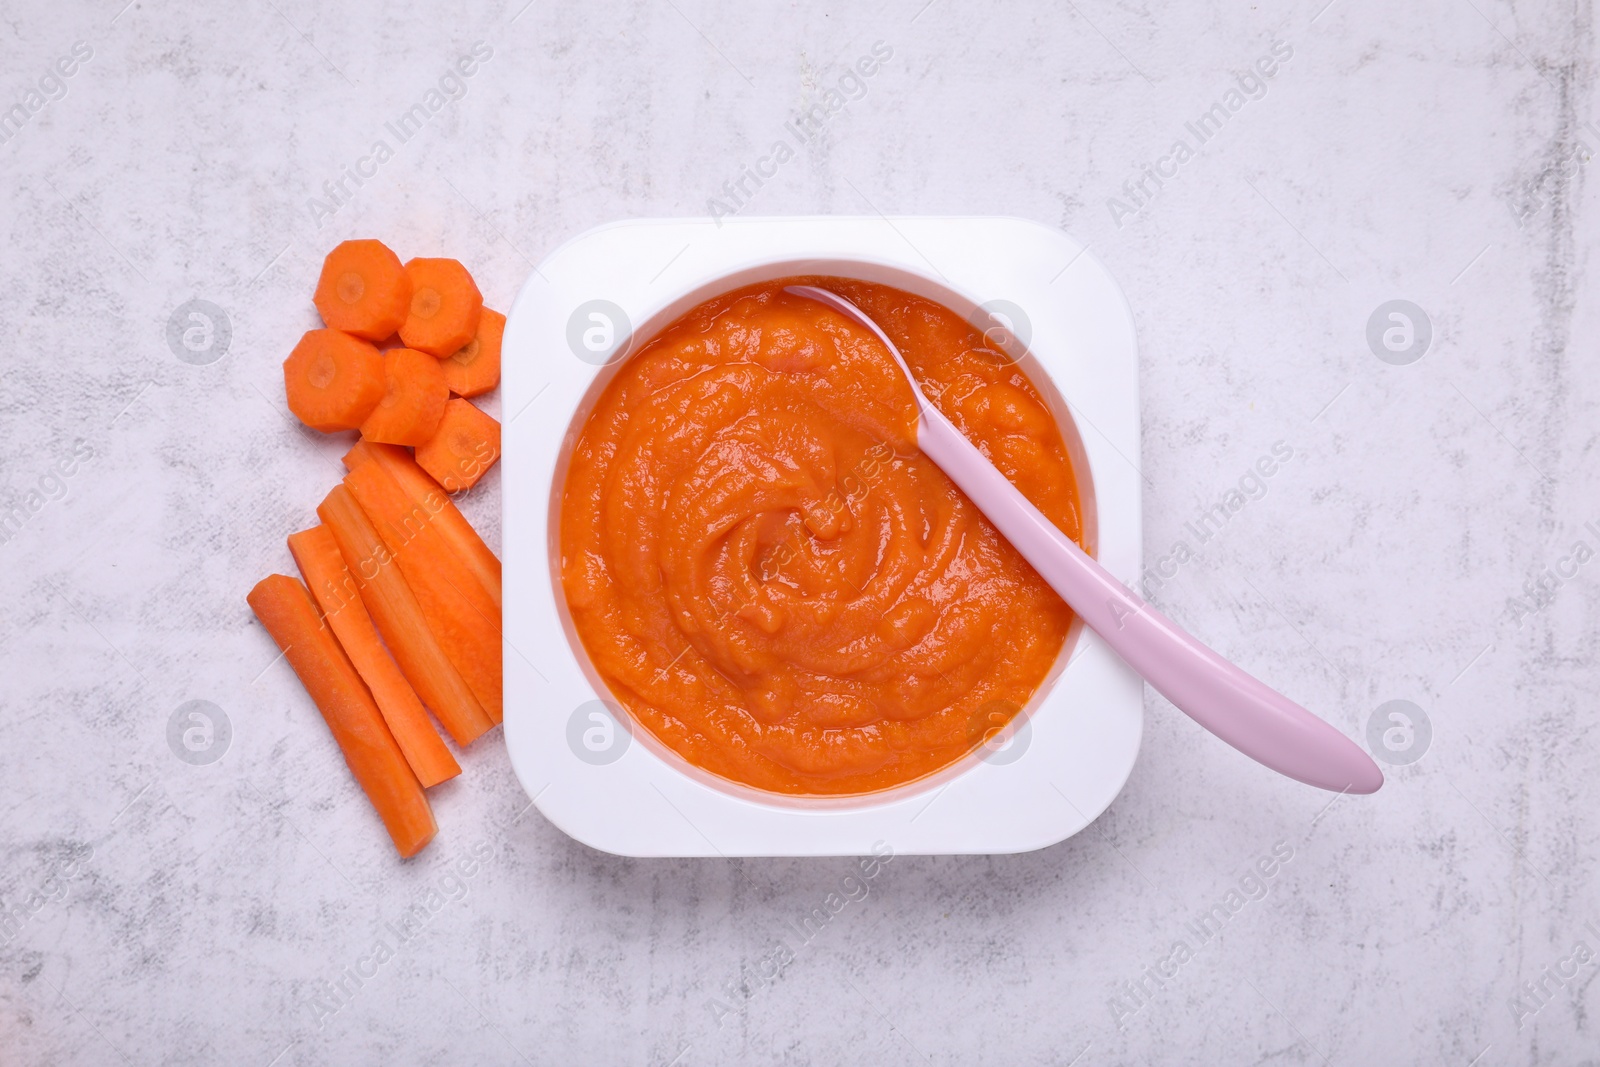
447,518
445,305
463,618
285,609
363,290
333,380
317,554
475,367
413,400
400,621
466,445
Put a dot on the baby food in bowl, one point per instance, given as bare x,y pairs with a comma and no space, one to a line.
768,574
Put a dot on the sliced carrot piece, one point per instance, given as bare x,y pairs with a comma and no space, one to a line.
363,290
333,380
285,609
475,367
445,306
317,554
466,444
464,620
447,518
394,608
413,402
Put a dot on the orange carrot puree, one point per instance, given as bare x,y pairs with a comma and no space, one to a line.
772,578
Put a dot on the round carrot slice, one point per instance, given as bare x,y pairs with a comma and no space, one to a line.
413,401
333,380
363,290
445,306
475,367
466,445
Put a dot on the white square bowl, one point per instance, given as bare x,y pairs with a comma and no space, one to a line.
607,291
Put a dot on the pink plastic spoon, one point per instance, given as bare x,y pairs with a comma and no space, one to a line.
1252,717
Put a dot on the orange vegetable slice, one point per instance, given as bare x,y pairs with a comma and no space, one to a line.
333,380
413,400
474,368
435,502
317,554
464,620
363,290
465,446
445,307
400,620
285,609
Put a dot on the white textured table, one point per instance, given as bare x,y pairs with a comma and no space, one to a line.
164,911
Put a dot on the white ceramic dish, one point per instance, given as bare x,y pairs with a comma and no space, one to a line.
605,292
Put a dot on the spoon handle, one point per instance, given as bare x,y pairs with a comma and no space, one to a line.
1249,715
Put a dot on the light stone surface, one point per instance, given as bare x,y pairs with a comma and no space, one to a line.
165,911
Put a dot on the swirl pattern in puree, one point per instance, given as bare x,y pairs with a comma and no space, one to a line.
773,579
